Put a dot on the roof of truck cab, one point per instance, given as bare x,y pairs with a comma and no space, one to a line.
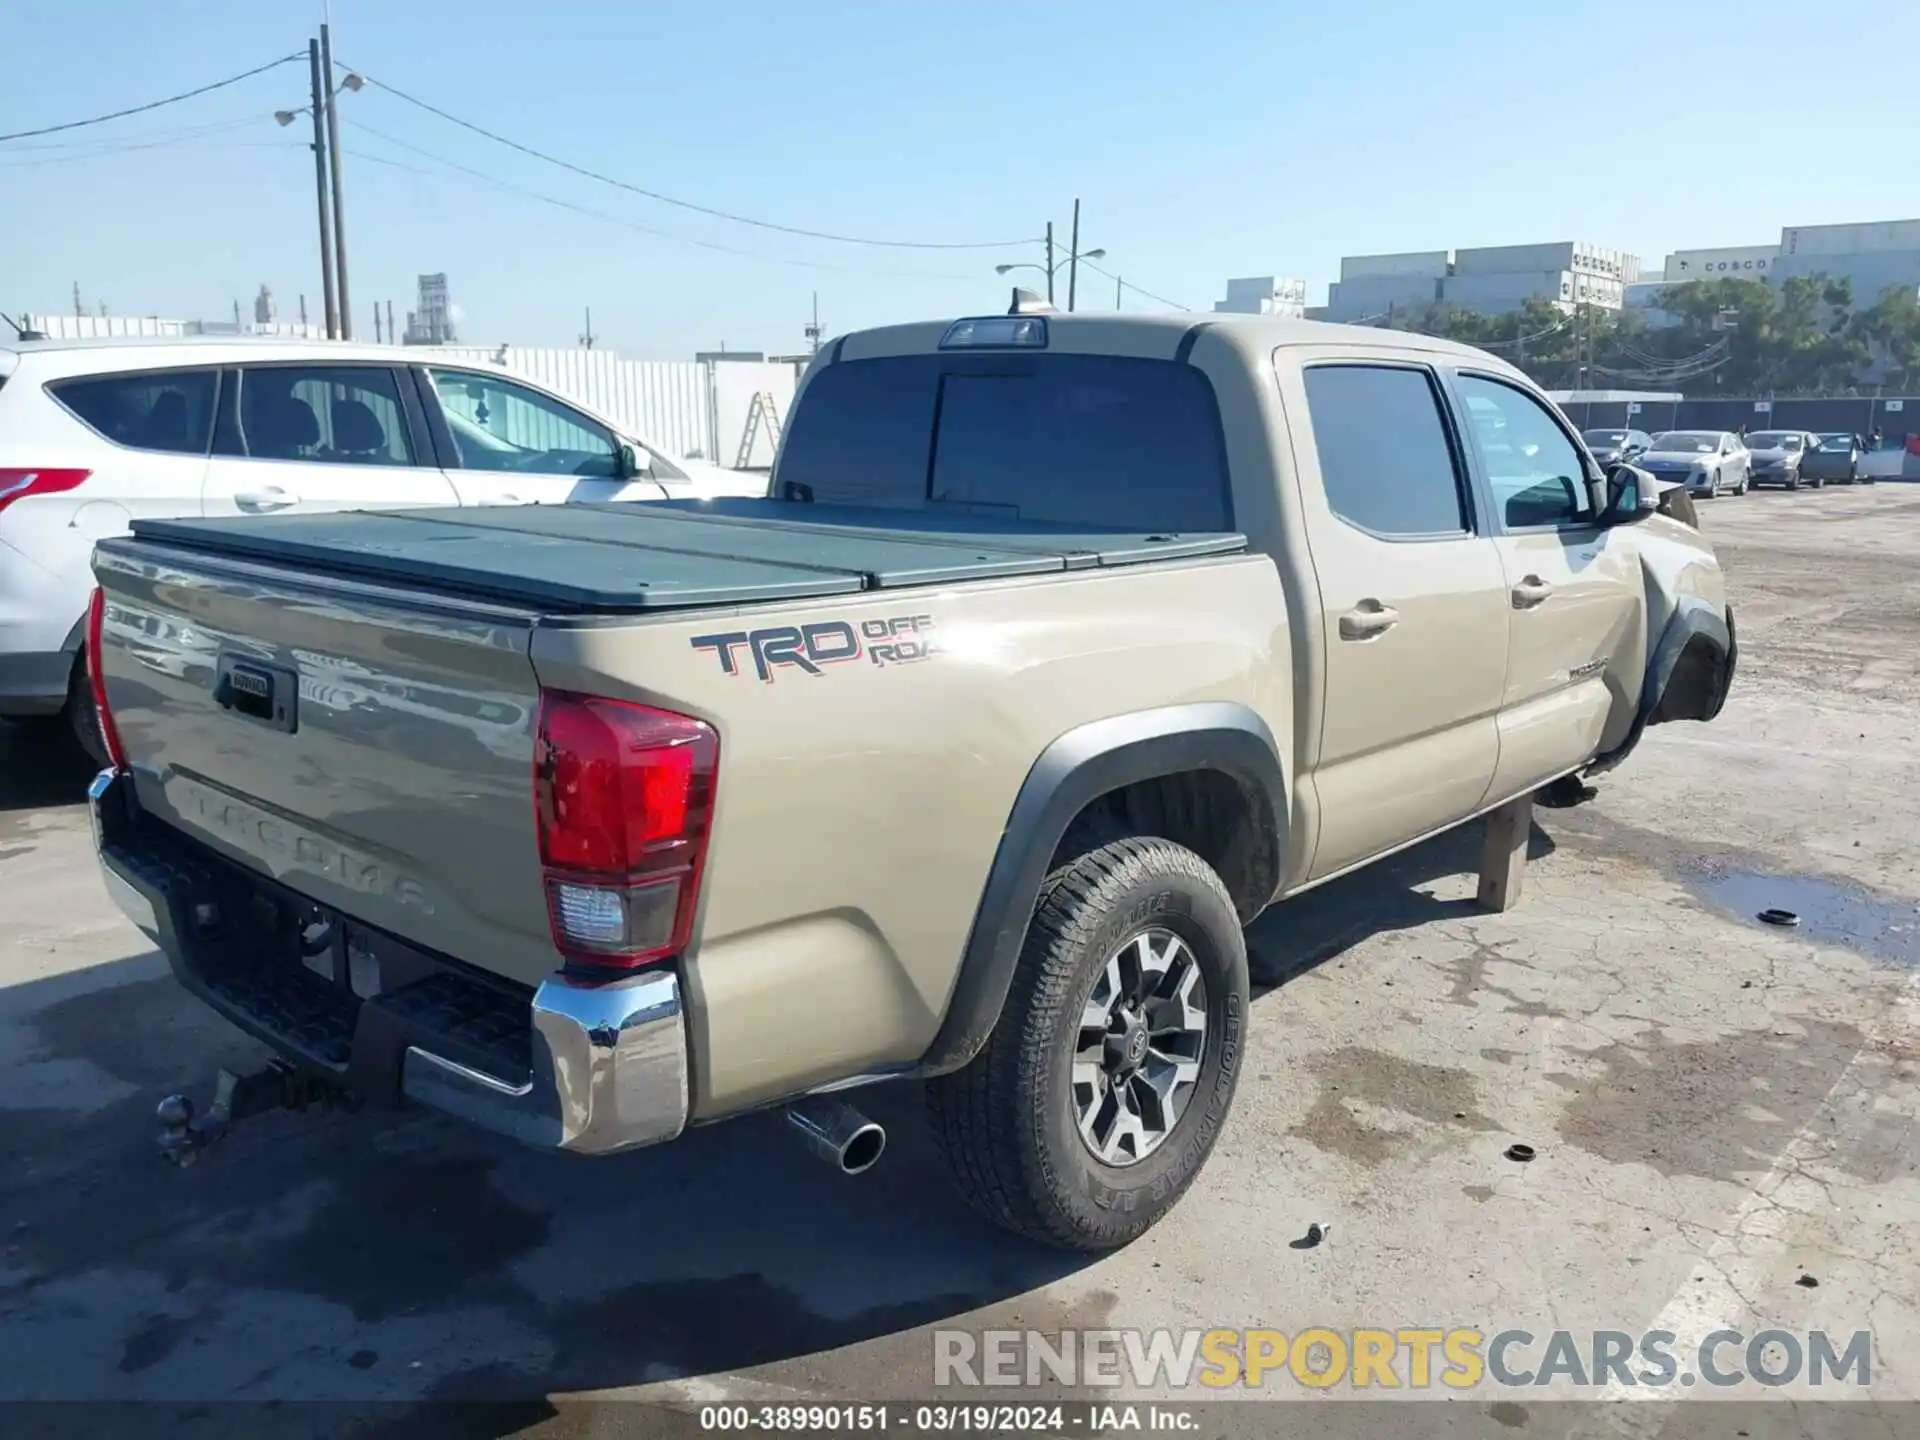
1157,337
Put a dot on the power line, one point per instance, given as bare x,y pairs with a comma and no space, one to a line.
90,142
1144,294
550,159
154,104
97,149
512,189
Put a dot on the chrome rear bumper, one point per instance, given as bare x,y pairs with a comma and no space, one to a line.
609,1064
609,1070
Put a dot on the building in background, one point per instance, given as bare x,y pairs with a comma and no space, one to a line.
1492,279
432,322
1874,256
1729,262
1264,295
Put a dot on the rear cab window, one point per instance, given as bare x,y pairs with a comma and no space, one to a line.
164,410
1086,441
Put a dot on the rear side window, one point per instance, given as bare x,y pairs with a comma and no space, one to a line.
1081,440
324,414
166,410
1385,459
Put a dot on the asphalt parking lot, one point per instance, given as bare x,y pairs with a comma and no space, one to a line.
1720,1112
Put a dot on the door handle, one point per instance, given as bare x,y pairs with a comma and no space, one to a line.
1531,591
1368,619
270,497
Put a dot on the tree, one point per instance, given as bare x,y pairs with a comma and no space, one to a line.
1723,337
1888,332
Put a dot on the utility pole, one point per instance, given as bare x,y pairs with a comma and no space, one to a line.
586,339
376,322
1116,292
78,308
339,201
1073,258
813,330
391,332
331,303
303,309
1049,262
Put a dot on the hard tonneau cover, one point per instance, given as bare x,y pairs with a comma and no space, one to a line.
653,555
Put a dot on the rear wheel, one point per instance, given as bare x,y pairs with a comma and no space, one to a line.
82,718
1746,482
1099,1093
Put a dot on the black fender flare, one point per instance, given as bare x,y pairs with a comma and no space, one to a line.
1703,635
1085,763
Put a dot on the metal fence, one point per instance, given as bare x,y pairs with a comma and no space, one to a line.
1894,416
679,407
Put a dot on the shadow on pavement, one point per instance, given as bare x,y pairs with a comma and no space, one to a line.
41,764
1299,934
403,1257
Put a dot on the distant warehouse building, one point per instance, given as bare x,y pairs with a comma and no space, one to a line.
1493,280
1264,295
1874,256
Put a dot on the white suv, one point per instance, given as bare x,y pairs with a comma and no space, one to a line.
96,433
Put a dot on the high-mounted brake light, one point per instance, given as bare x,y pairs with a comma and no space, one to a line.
97,680
623,797
996,332
17,483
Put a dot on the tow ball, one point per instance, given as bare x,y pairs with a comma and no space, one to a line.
184,1132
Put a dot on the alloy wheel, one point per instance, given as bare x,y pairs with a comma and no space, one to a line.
1143,1035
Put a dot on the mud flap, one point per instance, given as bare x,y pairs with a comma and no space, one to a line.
1688,677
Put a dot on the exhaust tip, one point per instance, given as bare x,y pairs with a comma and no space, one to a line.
862,1152
838,1133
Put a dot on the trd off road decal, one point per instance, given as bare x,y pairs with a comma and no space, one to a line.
895,640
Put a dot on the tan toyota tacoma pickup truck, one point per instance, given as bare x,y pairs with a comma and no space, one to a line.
1061,647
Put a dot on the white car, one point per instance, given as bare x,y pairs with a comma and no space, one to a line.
1708,462
96,433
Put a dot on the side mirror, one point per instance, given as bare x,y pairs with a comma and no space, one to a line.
634,461
1630,495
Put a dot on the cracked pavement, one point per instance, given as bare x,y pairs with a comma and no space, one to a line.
1718,1109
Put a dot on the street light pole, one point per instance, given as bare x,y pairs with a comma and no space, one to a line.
330,308
1073,258
339,202
1116,292
1049,262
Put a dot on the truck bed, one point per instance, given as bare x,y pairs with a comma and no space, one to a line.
632,557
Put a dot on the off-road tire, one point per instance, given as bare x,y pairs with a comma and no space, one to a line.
1004,1124
83,719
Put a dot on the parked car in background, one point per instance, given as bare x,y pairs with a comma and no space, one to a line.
1613,447
1779,458
95,434
1835,457
1707,462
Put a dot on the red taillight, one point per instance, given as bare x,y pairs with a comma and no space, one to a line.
97,680
623,797
17,483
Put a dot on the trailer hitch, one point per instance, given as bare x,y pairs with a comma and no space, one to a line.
184,1133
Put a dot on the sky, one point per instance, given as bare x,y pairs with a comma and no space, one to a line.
1204,139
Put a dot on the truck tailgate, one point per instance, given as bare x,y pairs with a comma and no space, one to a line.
372,750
